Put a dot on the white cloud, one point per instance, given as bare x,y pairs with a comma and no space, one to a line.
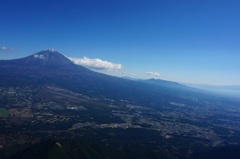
156,74
3,48
96,63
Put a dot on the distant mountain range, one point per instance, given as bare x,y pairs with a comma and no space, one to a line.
164,83
229,90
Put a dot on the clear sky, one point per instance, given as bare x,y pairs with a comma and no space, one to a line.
193,41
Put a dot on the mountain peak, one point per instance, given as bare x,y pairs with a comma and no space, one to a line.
48,58
51,50
46,64
48,51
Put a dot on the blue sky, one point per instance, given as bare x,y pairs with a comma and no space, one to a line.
193,41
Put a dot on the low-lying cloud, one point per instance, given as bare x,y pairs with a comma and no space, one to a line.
156,74
96,63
